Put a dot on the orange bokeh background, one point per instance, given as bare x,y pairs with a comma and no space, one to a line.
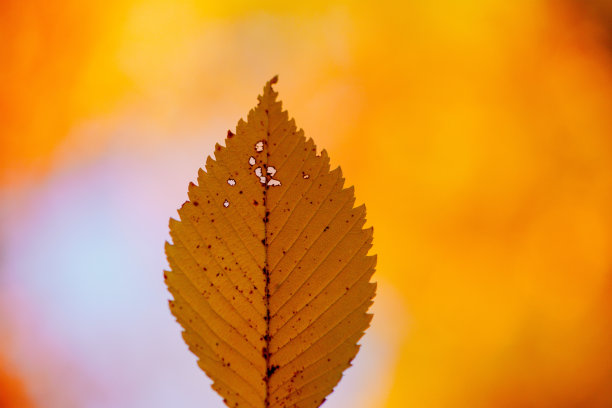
478,133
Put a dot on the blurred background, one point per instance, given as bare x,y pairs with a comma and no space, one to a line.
478,133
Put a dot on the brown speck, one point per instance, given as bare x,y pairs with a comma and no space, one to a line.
272,369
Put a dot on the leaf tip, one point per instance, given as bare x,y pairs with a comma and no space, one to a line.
269,94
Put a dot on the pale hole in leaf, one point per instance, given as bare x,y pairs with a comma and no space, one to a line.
271,171
252,161
259,173
226,203
306,176
259,146
231,182
274,182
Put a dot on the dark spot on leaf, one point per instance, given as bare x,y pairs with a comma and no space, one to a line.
272,369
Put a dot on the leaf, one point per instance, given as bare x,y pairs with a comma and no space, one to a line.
269,267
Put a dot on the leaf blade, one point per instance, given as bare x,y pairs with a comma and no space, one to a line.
270,271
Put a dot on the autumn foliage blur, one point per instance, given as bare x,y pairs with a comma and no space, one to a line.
12,391
477,133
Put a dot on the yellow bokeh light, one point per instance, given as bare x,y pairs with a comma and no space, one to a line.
477,133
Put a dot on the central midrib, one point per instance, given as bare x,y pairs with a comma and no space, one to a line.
266,271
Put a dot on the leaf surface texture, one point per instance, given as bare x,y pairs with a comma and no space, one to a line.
269,266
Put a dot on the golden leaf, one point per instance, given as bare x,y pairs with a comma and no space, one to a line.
270,270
